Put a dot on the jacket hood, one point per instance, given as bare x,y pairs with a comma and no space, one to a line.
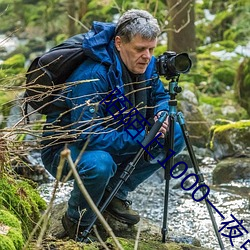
98,43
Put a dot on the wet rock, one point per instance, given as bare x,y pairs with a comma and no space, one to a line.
231,169
197,125
232,139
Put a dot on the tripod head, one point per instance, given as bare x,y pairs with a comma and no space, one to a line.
174,89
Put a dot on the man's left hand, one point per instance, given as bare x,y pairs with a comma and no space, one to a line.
165,126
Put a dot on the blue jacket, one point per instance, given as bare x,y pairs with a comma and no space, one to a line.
87,118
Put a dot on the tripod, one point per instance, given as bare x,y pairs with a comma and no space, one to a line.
173,90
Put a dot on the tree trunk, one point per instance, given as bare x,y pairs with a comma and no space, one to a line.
83,8
72,13
181,27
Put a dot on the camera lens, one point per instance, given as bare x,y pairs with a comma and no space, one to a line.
170,64
182,63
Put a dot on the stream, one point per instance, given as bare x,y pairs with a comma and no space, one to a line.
186,218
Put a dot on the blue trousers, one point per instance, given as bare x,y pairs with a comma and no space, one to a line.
100,170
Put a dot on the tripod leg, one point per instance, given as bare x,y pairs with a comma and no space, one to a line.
169,144
198,173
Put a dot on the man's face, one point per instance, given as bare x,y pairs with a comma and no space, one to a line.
137,53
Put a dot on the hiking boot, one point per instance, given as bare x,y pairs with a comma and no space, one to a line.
121,211
75,231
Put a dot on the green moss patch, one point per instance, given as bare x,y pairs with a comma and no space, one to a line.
230,134
10,231
22,200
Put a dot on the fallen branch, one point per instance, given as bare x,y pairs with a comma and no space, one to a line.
66,154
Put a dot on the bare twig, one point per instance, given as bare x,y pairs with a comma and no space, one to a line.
137,236
99,238
66,154
77,21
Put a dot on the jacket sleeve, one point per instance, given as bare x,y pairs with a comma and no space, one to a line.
90,121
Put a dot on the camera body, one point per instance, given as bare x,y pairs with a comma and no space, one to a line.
171,65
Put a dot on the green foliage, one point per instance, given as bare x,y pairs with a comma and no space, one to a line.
12,67
128,244
214,101
229,23
49,20
22,200
224,75
221,23
219,102
242,84
6,243
17,61
13,238
216,67
160,49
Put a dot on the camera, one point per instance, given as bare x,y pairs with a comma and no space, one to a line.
171,65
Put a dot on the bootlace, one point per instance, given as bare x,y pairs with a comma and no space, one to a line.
127,203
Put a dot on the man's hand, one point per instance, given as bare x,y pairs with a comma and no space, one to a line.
165,126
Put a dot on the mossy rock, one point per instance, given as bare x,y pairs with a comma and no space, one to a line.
230,140
22,200
10,231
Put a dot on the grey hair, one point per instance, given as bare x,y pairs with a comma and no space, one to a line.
137,22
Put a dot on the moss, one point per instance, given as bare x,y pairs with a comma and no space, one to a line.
229,45
235,125
9,219
16,61
219,103
220,132
220,24
21,199
6,243
13,239
174,246
214,101
225,75
13,71
16,237
128,244
242,84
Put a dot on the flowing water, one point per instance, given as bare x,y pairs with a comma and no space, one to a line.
185,216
